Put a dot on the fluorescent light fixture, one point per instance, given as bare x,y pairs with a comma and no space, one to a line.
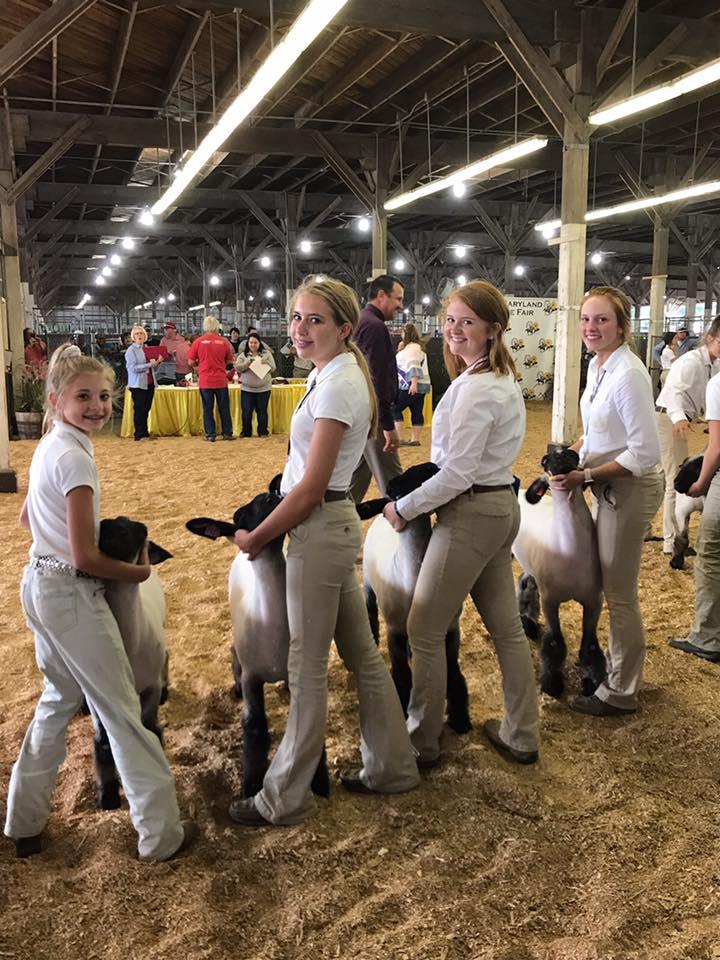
146,218
148,303
460,251
462,279
138,307
519,270
100,280
305,246
116,260
688,82
198,306
215,303
171,297
127,243
83,300
399,264
499,159
265,262
310,24
363,224
459,189
119,219
98,256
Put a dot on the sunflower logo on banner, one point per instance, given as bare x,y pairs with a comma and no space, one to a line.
532,320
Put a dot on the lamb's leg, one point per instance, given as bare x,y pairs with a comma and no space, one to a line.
237,676
529,605
680,545
372,611
150,701
591,659
106,776
321,779
552,653
256,737
400,666
165,693
458,715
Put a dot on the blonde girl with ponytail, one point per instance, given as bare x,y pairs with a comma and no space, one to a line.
478,429
77,641
327,437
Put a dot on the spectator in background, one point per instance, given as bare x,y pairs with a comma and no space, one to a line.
413,383
177,348
255,384
141,382
234,339
380,459
35,352
301,365
211,353
683,341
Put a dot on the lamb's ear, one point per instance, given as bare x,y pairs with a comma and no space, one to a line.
371,508
274,485
537,490
516,485
212,529
157,553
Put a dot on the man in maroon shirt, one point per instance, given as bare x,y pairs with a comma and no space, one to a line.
380,458
211,353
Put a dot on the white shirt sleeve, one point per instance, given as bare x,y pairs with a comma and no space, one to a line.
712,398
635,408
684,390
334,402
74,468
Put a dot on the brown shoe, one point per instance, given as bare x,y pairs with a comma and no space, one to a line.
491,729
593,706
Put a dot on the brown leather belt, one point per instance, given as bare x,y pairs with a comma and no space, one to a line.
481,488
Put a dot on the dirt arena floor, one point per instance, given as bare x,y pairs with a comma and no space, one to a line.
606,850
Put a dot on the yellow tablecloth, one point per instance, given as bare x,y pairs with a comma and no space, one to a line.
177,411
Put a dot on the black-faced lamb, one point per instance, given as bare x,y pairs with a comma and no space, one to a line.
261,636
391,564
685,507
139,609
557,546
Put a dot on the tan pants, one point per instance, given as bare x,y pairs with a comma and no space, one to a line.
672,453
624,507
469,553
706,629
375,463
324,599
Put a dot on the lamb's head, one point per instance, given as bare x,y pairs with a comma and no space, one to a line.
258,509
398,487
122,539
557,461
688,474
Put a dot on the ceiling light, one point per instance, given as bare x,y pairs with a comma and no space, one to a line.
127,243
460,251
106,271
305,246
215,303
148,303
251,298
701,77
363,224
100,280
399,264
214,280
119,219
547,229
198,306
269,294
161,301
146,218
106,240
462,279
171,297
311,22
627,276
596,258
265,262
138,307
426,300
499,159
98,256
519,270
116,260
459,189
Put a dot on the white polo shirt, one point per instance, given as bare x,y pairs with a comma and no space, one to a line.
619,415
683,395
62,461
478,429
712,398
337,392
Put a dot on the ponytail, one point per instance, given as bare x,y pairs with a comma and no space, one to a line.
362,363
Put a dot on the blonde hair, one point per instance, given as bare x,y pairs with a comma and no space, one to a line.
67,364
487,303
211,323
138,329
621,305
344,306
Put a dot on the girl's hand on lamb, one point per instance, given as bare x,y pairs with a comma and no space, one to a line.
569,481
244,541
393,518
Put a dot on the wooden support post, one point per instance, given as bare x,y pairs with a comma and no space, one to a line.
707,312
571,286
691,292
658,284
11,255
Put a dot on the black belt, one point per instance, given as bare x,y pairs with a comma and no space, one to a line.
332,495
482,488
662,409
665,410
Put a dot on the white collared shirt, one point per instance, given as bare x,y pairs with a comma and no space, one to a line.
683,394
712,398
477,431
618,414
62,461
337,392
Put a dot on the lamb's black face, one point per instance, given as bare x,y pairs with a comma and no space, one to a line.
122,538
252,514
410,480
560,461
688,473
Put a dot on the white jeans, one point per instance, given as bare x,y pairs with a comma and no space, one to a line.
79,649
324,600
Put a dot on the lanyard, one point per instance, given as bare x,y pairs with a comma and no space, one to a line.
305,396
597,384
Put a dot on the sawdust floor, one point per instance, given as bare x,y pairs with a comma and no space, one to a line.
607,849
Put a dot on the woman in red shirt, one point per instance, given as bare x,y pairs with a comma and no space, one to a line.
211,353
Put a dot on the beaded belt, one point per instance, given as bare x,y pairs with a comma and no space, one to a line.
58,566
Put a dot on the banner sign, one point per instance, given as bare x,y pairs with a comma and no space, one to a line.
531,339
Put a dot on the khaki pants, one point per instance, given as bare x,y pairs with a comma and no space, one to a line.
375,463
672,454
624,507
706,629
469,553
324,599
80,651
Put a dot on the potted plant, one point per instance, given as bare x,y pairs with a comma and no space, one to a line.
29,403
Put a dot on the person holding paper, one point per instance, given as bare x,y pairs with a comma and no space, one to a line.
256,365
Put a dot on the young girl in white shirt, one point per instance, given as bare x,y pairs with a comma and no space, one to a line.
619,452
328,434
478,429
77,642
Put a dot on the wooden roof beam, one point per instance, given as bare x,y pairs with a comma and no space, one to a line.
613,41
43,163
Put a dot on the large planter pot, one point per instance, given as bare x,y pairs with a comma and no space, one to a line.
29,425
